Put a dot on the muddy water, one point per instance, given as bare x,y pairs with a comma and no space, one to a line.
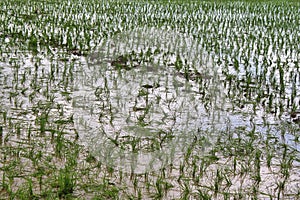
141,118
142,115
138,112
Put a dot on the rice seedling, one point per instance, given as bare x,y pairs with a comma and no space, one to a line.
144,99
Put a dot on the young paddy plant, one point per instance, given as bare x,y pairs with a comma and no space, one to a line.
65,183
251,38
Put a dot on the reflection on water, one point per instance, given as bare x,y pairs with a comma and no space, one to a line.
141,114
144,117
207,102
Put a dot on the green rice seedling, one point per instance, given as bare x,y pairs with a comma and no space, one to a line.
186,194
280,189
217,182
203,195
4,115
269,159
159,189
26,192
1,135
39,176
254,50
59,143
257,166
135,183
66,183
255,190
4,185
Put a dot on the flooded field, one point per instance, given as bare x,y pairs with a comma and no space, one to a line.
149,100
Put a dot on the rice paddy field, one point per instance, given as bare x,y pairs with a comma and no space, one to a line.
149,99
